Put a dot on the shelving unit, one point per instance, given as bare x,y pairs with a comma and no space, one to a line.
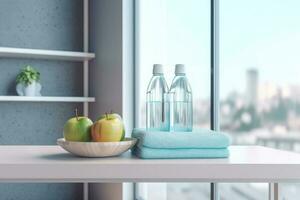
46,99
84,57
45,54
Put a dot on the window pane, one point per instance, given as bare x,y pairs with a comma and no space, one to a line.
259,77
171,32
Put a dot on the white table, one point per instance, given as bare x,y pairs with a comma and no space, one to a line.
53,164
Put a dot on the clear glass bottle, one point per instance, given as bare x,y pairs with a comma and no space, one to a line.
157,108
181,101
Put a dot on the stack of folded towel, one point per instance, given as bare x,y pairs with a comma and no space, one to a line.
197,144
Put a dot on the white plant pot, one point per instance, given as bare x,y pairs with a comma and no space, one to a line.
34,89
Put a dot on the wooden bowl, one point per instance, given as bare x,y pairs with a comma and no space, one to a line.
97,149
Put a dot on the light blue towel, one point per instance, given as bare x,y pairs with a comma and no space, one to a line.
199,138
150,153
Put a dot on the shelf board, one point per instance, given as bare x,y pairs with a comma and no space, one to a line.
46,99
45,54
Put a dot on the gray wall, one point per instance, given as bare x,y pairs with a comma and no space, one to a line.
106,43
48,24
106,74
111,75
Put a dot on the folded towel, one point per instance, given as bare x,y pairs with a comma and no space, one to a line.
199,138
150,153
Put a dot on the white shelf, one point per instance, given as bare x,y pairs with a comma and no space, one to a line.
53,164
46,99
45,54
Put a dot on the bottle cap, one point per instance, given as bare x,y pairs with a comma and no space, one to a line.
157,69
179,69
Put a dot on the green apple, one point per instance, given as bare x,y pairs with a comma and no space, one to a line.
110,115
78,129
109,128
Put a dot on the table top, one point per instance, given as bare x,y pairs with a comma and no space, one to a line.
53,164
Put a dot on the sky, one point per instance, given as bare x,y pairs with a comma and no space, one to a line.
261,34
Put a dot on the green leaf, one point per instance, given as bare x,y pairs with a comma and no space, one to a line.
27,75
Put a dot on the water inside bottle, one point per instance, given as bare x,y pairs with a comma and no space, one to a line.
181,116
158,115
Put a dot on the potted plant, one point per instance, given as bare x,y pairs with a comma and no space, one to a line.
28,82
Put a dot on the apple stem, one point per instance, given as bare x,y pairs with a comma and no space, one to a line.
76,113
106,115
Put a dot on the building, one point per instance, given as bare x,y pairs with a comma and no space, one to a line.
251,86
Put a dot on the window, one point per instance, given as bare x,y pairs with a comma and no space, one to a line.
170,32
261,45
259,78
258,70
